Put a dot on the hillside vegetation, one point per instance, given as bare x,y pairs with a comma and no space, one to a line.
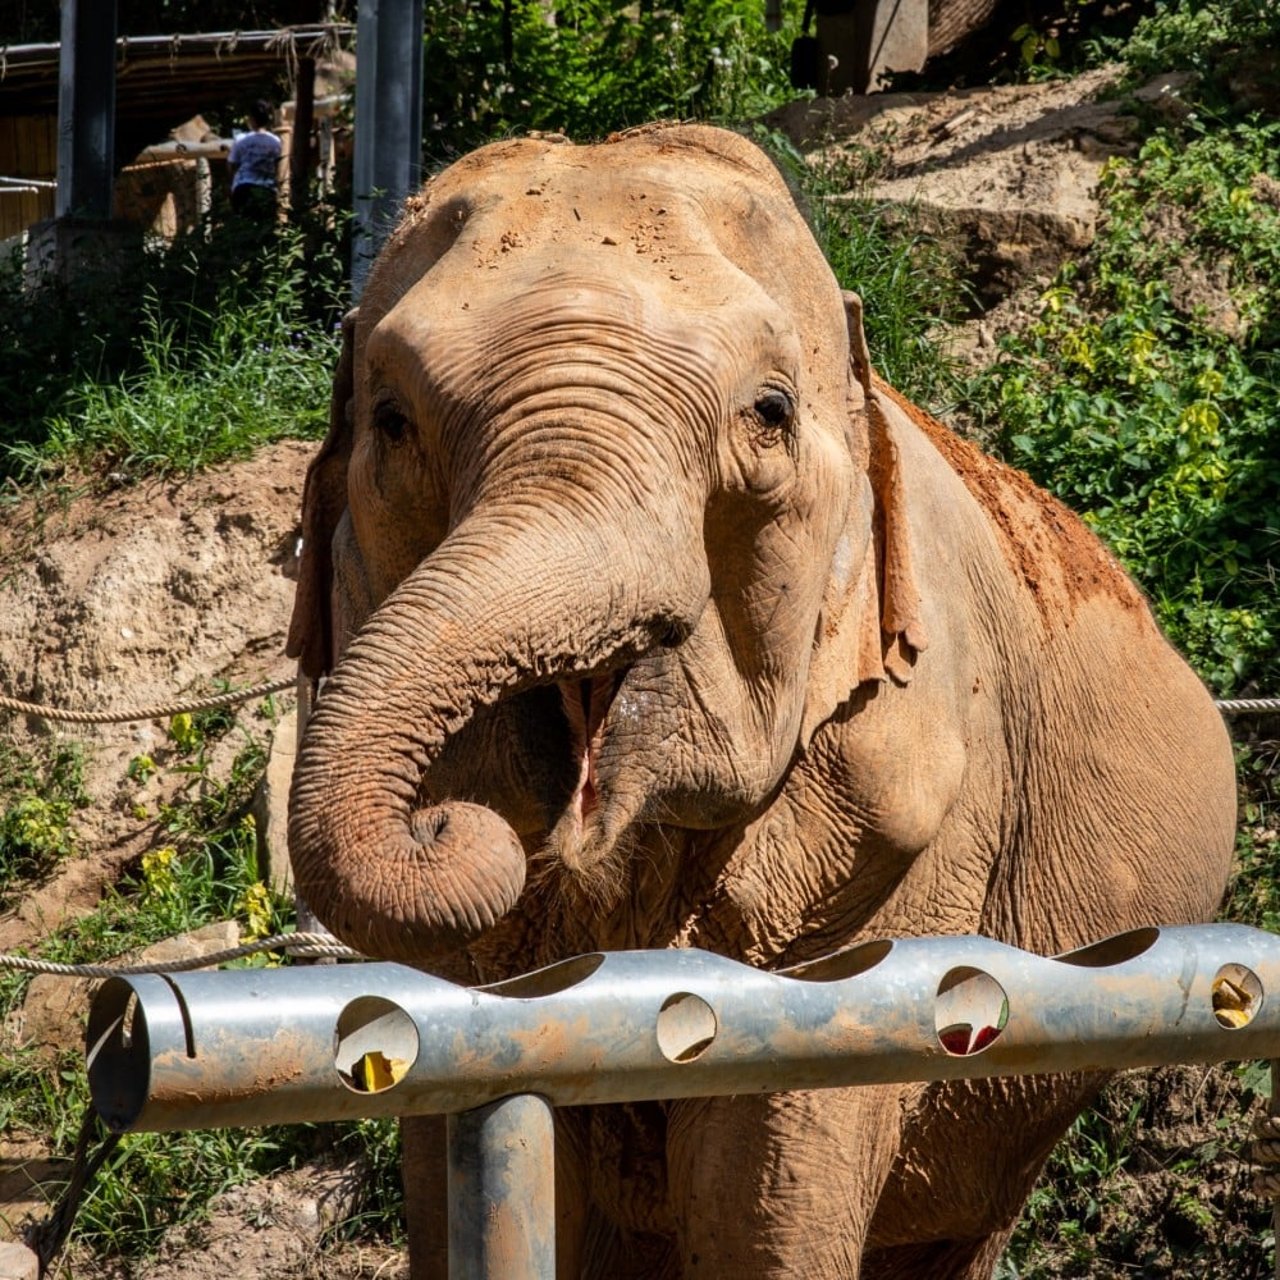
1142,386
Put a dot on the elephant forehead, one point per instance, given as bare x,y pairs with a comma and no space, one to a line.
572,300
603,334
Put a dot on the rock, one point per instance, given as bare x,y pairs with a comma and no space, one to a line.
17,1262
271,807
53,1014
1202,291
1165,95
1266,189
1007,174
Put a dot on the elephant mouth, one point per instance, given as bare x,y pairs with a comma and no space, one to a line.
586,706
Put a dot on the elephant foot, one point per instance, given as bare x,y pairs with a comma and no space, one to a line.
938,1260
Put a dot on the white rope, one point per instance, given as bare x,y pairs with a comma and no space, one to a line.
128,715
1247,706
296,944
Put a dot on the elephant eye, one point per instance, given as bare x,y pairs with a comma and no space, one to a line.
775,407
388,421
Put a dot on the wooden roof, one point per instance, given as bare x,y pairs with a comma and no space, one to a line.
161,80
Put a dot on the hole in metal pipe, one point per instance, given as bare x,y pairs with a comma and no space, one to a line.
550,981
376,1044
118,1056
1237,996
126,1021
188,1029
1113,950
686,1027
841,964
971,1011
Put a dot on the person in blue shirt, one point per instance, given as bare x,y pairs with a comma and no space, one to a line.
254,162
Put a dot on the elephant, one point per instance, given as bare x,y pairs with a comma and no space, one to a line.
644,615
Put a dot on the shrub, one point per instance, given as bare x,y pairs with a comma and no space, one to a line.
1146,394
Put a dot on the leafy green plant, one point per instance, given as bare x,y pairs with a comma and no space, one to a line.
1254,895
38,794
587,67
205,870
1036,47
1203,36
1153,410
1127,1192
208,870
251,376
180,356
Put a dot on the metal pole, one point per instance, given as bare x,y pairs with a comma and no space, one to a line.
86,109
304,104
502,1191
387,164
1266,1131
202,1050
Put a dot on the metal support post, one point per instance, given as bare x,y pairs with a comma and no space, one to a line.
502,1191
86,109
304,115
1265,1130
387,165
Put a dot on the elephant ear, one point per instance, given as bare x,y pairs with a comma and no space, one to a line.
870,628
324,499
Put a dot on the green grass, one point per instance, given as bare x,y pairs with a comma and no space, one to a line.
204,868
247,384
910,283
179,357
208,872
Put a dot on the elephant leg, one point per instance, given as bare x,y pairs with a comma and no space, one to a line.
425,1175
612,1253
971,1154
782,1185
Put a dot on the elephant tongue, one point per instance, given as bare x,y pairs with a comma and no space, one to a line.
586,703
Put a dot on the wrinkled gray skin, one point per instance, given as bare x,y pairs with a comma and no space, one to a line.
656,620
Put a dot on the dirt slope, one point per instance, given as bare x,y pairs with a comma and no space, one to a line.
140,597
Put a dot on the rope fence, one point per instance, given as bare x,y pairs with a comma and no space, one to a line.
1247,706
300,945
1227,706
128,715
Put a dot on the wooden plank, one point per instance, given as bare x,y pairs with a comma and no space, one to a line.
7,126
48,147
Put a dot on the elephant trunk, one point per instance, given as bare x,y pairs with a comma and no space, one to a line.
495,610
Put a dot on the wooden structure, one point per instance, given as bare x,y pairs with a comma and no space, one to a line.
159,82
860,41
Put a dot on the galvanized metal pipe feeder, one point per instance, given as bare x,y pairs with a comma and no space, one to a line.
272,1046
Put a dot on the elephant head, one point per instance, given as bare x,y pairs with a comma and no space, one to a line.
602,529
